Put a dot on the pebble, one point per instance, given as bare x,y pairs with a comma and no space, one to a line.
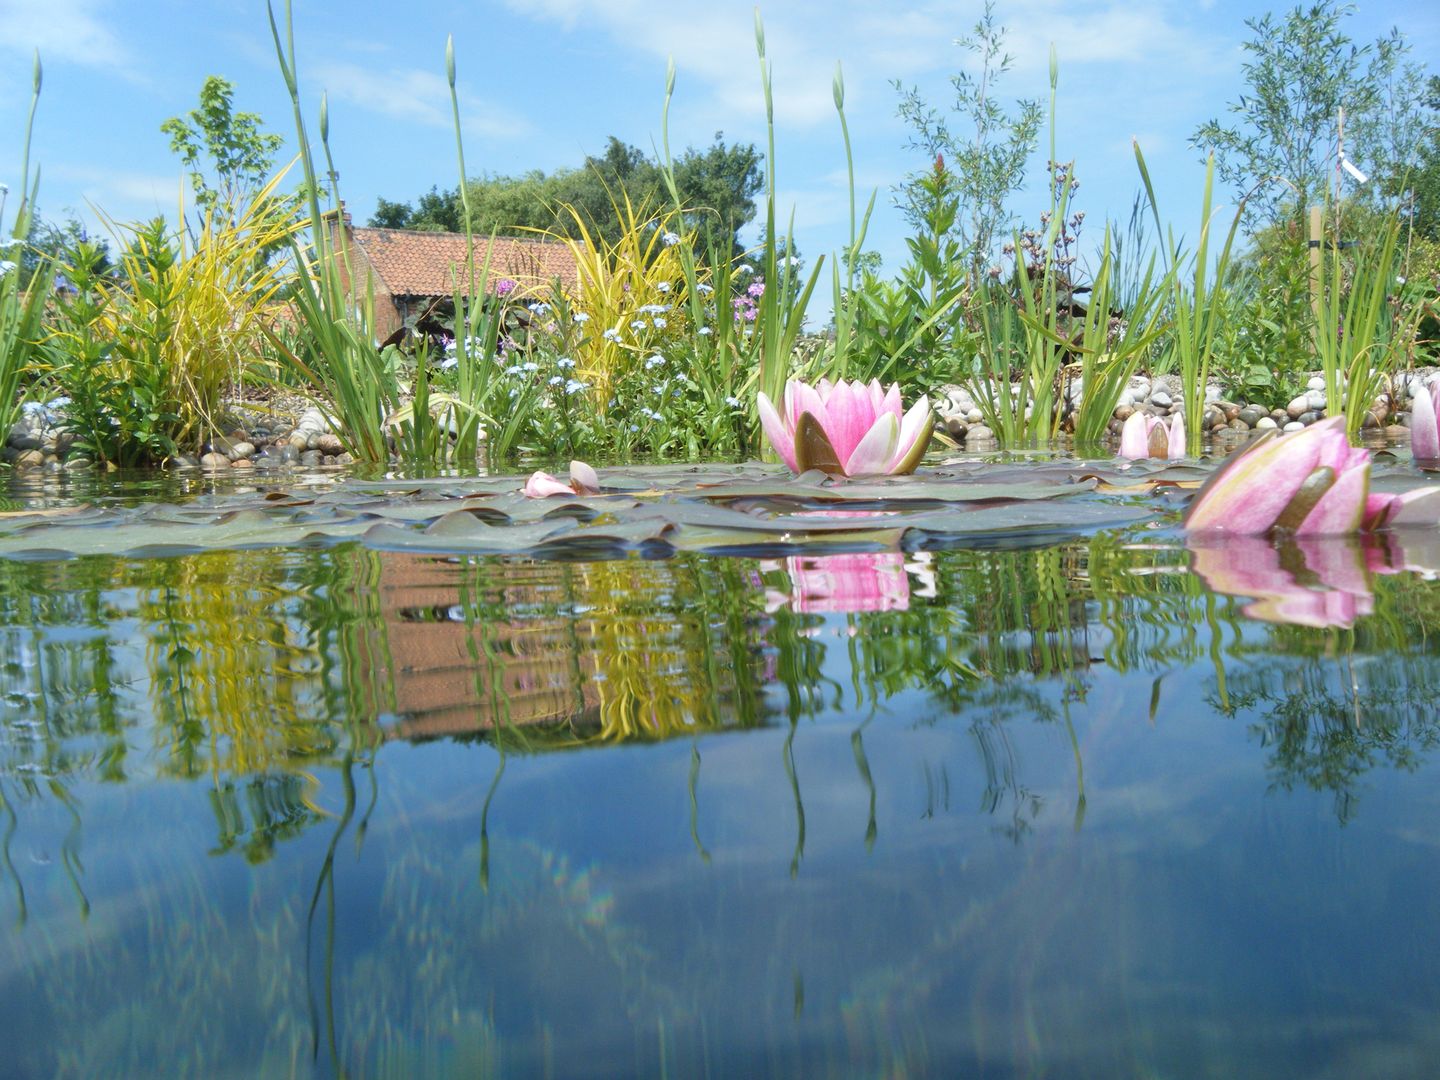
1265,424
1316,399
1160,399
214,460
1294,425
1298,405
979,433
329,444
1317,382
1252,416
311,457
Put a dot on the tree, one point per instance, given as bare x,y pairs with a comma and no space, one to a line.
228,154
1301,71
985,168
718,183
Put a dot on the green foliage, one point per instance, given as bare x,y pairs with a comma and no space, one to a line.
986,168
1301,70
1198,308
717,185
228,155
118,412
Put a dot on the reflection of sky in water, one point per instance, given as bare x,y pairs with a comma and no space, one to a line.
1200,910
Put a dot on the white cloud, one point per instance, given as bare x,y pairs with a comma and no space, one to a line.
414,95
70,30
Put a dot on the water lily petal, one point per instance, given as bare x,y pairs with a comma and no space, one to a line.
1134,437
1424,431
876,450
583,479
813,449
916,427
1250,491
1418,507
776,431
542,485
1340,510
851,417
1177,436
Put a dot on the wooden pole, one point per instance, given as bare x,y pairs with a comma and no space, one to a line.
1316,226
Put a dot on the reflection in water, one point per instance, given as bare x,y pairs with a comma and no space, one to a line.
863,795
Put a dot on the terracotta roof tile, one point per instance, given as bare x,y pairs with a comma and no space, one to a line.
424,263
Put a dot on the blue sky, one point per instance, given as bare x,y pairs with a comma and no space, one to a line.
544,82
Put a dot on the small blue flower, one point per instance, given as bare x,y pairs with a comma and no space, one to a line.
556,380
637,325
663,286
538,308
581,317
704,289
654,362
704,331
733,402
658,323
565,363
669,239
530,366
611,335
574,386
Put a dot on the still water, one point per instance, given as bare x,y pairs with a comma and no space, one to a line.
1108,807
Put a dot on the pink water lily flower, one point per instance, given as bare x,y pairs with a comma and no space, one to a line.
583,481
1424,429
847,428
1146,436
1312,482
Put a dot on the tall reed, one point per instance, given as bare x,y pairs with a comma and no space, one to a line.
360,385
1357,336
20,309
1196,313
782,305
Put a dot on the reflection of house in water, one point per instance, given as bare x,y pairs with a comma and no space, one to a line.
594,650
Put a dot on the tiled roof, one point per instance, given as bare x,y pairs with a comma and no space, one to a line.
425,263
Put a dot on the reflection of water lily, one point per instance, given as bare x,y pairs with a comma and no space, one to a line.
1310,581
1315,581
878,581
583,481
847,428
1146,436
1312,482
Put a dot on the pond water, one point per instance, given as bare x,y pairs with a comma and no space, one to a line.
1097,804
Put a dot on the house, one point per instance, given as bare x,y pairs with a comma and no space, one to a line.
414,273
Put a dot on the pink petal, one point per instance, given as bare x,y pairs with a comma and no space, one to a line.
851,417
875,451
1177,436
542,485
1135,437
1254,487
781,436
891,401
583,479
1418,507
912,425
1424,432
1341,510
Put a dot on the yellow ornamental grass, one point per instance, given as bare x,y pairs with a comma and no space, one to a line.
632,288
198,313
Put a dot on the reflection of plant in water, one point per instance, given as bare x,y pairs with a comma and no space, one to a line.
1327,720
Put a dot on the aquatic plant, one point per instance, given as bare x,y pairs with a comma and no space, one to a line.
583,481
849,429
1144,436
1311,482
